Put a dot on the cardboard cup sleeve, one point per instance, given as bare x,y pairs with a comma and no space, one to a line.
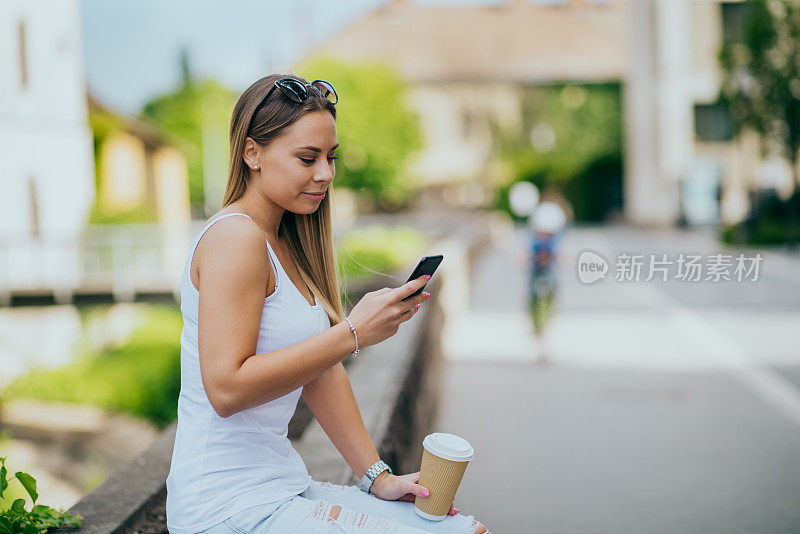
444,459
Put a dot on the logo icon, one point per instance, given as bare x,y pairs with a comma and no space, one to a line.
591,267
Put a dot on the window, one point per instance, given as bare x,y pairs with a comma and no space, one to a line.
732,21
712,122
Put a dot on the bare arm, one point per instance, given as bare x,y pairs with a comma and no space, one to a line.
233,270
331,400
330,397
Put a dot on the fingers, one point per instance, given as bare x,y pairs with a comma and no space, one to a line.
409,287
417,299
413,304
423,492
408,314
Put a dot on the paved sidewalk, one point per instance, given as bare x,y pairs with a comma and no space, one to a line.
664,408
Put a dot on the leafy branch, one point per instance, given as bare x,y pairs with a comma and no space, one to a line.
16,519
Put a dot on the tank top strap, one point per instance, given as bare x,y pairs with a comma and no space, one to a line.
281,274
273,258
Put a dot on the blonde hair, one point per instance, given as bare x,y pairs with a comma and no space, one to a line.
309,237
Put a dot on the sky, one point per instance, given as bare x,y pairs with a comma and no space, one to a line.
132,49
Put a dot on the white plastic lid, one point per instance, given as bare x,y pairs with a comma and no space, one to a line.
448,446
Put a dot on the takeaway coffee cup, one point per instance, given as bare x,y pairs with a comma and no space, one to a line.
444,460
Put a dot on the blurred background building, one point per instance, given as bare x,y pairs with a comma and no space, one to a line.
467,66
70,169
139,168
678,132
46,171
470,71
612,108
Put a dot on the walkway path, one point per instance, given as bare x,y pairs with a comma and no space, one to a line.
665,407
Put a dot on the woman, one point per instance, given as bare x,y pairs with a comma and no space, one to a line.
262,335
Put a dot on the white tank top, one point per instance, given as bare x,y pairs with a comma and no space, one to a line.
221,466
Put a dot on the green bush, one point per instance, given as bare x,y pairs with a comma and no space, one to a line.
141,377
577,152
764,232
768,224
597,190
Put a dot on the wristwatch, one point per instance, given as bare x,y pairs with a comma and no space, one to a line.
372,473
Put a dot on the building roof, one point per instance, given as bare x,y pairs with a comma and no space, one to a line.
516,41
150,133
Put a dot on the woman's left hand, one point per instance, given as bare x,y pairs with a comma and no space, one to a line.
391,487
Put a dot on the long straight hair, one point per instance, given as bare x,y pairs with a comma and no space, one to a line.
309,237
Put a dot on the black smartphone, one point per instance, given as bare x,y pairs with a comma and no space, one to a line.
426,265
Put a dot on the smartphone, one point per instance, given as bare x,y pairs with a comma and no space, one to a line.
426,265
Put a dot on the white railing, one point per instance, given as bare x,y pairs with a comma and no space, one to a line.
126,260
121,260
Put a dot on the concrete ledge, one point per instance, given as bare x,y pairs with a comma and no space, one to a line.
125,497
396,386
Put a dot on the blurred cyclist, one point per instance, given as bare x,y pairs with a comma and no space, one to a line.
545,224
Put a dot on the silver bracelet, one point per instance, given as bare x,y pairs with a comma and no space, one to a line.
353,330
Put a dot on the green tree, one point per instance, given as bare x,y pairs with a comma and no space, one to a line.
198,112
569,138
377,131
762,83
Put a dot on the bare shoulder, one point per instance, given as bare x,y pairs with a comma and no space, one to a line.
233,246
234,234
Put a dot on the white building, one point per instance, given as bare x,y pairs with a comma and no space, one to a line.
678,134
46,148
466,64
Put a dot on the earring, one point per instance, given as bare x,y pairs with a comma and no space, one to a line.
255,166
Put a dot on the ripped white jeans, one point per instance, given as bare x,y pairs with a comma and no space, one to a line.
326,507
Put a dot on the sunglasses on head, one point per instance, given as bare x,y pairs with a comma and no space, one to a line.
298,91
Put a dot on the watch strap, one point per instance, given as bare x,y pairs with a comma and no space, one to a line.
372,473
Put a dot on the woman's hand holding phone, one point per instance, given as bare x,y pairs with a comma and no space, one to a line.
378,314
